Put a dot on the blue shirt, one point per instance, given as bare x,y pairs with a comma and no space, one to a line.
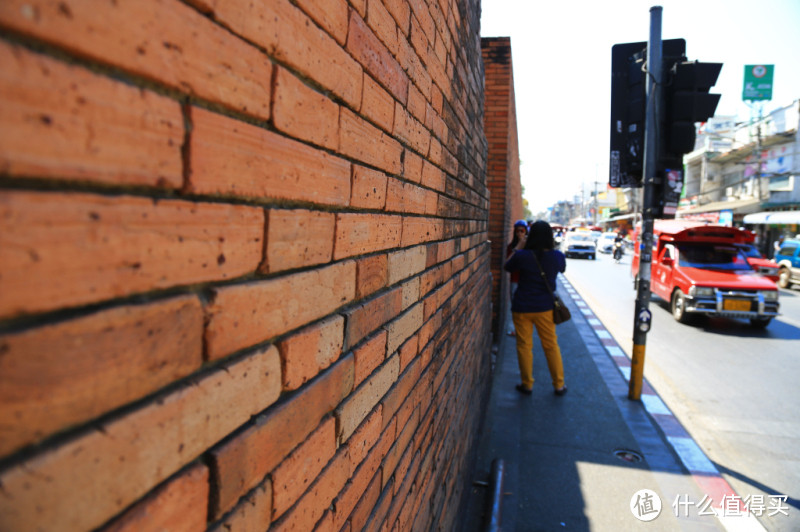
532,295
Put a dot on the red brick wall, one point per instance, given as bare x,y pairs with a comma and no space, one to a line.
503,177
244,263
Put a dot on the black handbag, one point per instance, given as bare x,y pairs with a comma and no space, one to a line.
560,311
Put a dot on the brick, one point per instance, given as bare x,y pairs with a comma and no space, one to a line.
165,41
360,515
68,249
401,12
406,263
405,197
368,190
116,464
330,14
242,462
381,22
371,275
433,177
243,315
376,58
410,292
364,469
297,238
365,438
409,130
357,233
377,518
366,143
301,112
409,351
403,390
87,128
377,105
312,506
310,351
232,158
296,473
412,167
368,316
414,68
115,357
418,230
369,356
180,505
417,104
291,37
403,327
360,403
252,514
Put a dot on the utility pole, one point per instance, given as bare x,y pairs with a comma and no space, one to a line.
642,316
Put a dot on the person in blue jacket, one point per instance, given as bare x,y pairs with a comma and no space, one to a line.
532,304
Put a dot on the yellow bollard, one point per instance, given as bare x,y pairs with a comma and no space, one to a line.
637,373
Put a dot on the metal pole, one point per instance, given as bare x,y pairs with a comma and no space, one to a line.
652,120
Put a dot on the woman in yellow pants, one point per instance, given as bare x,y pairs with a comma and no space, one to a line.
532,304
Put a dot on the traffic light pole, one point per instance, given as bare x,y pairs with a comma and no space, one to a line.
642,316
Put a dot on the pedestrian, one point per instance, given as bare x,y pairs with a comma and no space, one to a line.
532,304
517,242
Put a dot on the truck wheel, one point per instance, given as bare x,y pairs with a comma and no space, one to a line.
760,323
784,276
678,307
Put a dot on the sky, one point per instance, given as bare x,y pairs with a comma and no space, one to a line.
561,54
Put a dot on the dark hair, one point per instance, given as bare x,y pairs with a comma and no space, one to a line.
540,236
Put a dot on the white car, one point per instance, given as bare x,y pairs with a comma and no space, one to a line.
606,242
580,244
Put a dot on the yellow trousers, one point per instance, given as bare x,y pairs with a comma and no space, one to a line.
546,329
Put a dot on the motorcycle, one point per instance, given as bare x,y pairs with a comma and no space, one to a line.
619,251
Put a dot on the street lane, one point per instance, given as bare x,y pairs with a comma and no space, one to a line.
734,388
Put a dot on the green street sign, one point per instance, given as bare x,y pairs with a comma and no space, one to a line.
758,82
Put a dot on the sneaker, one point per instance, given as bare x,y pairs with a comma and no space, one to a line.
561,391
522,389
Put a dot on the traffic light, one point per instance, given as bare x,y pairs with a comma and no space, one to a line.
687,101
686,86
628,108
628,102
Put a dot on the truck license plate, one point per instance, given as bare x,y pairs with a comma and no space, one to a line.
736,305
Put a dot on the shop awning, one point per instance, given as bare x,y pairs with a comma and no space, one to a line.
737,206
773,218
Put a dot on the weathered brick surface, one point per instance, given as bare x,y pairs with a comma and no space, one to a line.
55,376
252,514
87,127
167,42
127,245
244,315
355,408
177,505
236,159
295,474
117,462
311,350
244,263
297,238
241,463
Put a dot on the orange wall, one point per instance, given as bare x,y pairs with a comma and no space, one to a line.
244,265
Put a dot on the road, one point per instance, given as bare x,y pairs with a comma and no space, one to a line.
734,388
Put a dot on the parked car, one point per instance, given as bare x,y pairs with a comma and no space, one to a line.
579,244
606,242
759,263
700,270
788,259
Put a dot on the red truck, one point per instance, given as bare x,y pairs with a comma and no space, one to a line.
700,269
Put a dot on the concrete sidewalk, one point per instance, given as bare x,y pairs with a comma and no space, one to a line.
564,457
